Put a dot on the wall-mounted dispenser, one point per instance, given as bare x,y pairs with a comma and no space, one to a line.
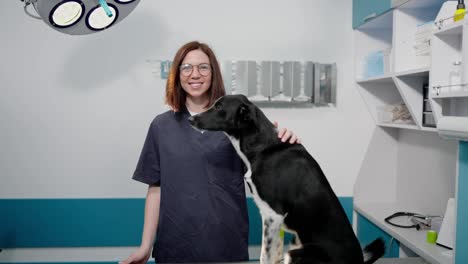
288,83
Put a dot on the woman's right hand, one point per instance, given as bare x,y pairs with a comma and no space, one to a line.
140,256
152,202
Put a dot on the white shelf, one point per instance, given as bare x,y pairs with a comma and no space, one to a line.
456,28
450,95
430,129
411,238
416,72
397,125
387,78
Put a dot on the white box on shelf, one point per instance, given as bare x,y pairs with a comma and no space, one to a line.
446,236
453,127
422,39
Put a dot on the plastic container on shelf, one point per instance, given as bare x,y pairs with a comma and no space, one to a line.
394,114
377,63
374,64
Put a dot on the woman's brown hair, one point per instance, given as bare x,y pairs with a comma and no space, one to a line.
175,95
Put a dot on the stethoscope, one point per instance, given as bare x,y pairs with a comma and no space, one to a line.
419,221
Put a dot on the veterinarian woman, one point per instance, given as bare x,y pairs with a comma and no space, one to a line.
196,207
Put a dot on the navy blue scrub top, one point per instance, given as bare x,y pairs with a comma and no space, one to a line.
203,213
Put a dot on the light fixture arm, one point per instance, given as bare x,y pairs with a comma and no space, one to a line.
106,8
26,4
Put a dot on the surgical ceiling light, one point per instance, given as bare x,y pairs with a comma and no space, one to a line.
80,17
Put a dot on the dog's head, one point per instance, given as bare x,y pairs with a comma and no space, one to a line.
230,113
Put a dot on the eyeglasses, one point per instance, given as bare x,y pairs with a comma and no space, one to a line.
203,68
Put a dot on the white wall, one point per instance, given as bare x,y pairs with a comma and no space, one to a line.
74,110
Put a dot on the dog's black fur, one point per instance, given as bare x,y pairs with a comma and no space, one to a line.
292,183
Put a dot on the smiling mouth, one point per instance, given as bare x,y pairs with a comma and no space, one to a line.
196,85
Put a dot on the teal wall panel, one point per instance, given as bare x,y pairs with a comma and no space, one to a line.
255,223
462,205
70,222
363,9
71,262
368,232
39,223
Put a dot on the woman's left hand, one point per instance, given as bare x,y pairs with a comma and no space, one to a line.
287,135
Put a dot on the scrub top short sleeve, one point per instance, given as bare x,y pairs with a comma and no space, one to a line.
148,169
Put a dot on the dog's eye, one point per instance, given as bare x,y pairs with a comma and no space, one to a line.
217,107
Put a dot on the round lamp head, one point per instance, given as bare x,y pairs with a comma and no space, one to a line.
80,17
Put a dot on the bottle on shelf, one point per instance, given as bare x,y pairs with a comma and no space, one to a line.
455,79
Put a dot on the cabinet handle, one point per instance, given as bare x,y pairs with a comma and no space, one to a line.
369,17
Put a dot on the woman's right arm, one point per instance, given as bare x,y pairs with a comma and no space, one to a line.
153,200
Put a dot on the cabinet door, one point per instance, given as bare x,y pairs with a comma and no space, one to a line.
365,10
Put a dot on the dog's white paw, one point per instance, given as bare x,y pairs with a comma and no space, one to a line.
267,260
287,258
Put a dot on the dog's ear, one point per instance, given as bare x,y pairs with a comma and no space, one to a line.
243,115
246,113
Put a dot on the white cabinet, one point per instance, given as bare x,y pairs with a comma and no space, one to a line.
408,165
406,62
449,75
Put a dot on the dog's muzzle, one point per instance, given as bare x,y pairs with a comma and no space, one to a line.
193,123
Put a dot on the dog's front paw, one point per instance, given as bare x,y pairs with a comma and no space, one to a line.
270,260
264,259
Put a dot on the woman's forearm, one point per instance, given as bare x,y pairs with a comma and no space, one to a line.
153,200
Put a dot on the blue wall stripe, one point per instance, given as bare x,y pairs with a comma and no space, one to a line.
70,222
462,205
255,223
39,223
150,261
347,203
368,232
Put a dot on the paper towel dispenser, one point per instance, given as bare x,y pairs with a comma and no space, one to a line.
453,127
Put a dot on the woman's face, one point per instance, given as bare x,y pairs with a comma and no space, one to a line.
195,74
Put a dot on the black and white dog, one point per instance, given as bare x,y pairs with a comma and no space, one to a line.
289,188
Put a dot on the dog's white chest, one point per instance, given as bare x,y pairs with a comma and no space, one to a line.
264,207
271,242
